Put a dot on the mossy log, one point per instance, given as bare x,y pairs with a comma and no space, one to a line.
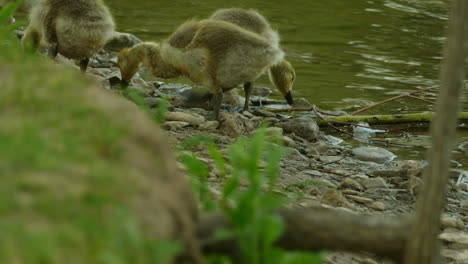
322,229
386,119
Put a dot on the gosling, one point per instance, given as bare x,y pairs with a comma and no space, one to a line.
77,29
216,54
282,75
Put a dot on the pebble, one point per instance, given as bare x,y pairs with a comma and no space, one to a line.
335,198
452,222
330,159
174,125
303,127
248,114
295,154
288,142
379,206
359,199
191,118
209,125
352,184
375,183
274,132
313,172
350,192
464,205
232,126
374,154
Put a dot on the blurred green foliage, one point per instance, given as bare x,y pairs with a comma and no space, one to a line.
247,198
65,194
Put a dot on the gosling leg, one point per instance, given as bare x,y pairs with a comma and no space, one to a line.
216,104
84,64
247,91
31,39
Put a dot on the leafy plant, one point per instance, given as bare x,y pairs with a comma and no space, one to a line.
248,198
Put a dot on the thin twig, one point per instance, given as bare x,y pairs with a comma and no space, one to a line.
392,99
299,109
421,99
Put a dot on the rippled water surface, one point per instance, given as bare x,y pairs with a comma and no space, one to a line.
347,53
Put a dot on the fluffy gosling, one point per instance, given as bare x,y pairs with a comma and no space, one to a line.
77,29
216,54
282,75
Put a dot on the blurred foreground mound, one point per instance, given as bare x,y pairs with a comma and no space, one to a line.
85,176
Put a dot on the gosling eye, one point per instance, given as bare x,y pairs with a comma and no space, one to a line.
293,78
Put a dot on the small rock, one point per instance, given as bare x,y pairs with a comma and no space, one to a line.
174,125
350,192
379,206
452,222
359,199
303,127
209,125
313,172
232,126
141,85
296,155
335,198
353,184
330,159
248,114
375,183
374,154
274,132
288,142
464,205
264,113
191,118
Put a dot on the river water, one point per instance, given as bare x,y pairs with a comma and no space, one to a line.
347,53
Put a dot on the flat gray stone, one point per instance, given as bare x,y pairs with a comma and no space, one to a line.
375,183
374,154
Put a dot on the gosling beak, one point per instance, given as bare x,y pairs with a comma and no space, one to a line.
289,98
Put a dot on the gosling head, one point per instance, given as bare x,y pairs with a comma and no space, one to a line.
128,64
282,75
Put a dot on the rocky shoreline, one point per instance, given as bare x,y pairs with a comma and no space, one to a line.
317,171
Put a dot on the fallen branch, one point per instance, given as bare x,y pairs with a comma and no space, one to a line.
392,99
388,119
321,229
